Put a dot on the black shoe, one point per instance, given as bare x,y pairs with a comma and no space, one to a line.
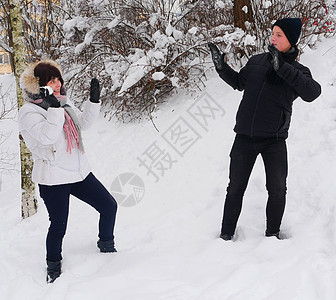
277,235
226,237
53,270
107,246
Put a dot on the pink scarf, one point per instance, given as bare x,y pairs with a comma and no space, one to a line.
71,126
70,132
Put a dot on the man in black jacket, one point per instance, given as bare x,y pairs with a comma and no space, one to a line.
271,82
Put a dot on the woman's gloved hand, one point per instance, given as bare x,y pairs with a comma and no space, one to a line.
94,91
50,100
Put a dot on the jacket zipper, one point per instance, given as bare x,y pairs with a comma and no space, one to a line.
255,109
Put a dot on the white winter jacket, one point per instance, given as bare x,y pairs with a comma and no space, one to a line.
43,134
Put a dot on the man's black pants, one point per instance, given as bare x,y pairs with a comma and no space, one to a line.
243,156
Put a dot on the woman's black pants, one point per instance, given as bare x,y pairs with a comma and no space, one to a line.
243,156
56,199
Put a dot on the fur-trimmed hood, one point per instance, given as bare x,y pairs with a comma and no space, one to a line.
29,82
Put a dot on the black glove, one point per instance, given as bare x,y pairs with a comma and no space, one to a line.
94,91
49,99
217,57
277,59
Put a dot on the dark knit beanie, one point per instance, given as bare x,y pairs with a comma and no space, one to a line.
291,28
45,72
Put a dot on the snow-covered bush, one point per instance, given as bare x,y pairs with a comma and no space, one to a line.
140,50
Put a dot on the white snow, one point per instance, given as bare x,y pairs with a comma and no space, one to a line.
78,22
140,63
113,23
168,243
245,9
193,30
169,30
219,4
136,71
158,76
249,40
267,4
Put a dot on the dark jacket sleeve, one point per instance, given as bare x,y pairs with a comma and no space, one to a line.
301,80
233,78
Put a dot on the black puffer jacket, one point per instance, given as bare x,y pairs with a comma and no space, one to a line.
266,107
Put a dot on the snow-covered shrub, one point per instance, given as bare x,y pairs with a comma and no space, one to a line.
140,50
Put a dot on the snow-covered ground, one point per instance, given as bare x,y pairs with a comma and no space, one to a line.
168,243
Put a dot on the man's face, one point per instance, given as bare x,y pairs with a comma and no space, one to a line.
279,39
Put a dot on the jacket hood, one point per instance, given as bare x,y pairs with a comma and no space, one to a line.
29,83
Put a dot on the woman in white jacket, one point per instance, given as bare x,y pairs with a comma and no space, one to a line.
51,127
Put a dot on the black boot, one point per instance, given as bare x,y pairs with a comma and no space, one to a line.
107,246
275,234
226,237
53,270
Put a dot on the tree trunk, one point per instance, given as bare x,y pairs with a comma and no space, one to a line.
240,16
28,201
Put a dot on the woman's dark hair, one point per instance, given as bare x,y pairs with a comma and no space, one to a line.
45,72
